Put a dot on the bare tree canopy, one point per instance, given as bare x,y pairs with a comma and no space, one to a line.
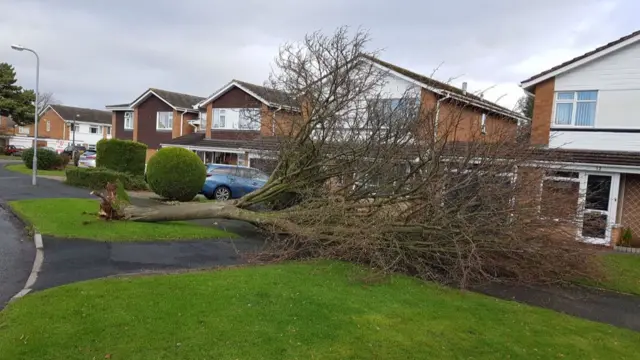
394,181
45,99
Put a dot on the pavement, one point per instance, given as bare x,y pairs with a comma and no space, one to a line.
588,303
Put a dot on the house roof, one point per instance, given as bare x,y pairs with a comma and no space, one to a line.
69,113
118,107
198,140
457,93
267,96
584,58
174,99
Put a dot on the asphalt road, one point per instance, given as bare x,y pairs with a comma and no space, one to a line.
17,252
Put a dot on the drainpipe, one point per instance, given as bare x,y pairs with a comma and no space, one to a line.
435,125
273,121
182,120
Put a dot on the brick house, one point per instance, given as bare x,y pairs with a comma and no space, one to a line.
56,127
585,114
154,117
238,121
227,137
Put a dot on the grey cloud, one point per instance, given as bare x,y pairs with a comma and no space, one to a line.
100,52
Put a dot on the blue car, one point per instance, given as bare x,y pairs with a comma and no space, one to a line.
226,182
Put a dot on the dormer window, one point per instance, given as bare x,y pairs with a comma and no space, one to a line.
575,108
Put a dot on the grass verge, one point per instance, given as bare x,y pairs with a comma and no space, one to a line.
9,157
319,310
622,274
21,168
76,218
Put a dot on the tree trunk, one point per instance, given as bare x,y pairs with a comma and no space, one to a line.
214,210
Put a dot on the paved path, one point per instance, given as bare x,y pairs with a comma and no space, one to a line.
71,260
593,304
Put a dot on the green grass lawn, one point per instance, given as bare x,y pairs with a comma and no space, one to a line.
622,274
9,157
323,310
76,218
21,168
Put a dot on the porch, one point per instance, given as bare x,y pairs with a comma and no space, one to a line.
604,204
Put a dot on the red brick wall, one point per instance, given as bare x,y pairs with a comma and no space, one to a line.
462,122
542,110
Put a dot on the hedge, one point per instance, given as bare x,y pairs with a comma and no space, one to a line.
47,159
176,173
121,155
97,178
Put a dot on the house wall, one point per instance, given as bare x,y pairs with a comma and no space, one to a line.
118,130
84,135
235,98
630,216
145,116
57,126
616,77
460,122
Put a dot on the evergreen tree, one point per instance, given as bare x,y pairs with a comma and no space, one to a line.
14,100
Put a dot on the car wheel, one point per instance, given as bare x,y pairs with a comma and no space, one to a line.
222,193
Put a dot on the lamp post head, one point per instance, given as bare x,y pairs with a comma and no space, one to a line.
17,47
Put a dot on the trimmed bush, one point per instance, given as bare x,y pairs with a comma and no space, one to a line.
97,178
176,174
121,155
47,159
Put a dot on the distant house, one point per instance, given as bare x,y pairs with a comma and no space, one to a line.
56,127
587,114
154,117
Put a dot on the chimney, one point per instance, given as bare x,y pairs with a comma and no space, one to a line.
464,88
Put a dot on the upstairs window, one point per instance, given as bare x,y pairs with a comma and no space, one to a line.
48,125
23,130
164,120
576,108
93,129
108,130
128,120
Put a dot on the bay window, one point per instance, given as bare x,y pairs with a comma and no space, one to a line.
164,120
575,108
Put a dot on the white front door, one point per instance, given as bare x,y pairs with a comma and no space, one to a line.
599,201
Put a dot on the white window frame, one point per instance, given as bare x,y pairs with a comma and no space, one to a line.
128,115
47,125
23,130
574,109
94,127
108,130
165,127
483,124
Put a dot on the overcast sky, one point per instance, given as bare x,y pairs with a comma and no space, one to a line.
95,53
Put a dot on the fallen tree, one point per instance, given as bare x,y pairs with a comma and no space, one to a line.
386,180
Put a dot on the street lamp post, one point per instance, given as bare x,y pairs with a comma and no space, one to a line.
35,123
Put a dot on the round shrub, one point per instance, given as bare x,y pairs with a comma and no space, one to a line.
47,159
176,174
